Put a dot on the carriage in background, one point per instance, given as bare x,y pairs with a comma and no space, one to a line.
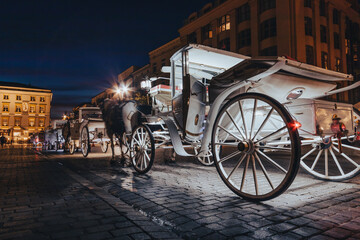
253,116
87,129
53,138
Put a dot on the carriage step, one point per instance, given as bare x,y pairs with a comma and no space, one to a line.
175,139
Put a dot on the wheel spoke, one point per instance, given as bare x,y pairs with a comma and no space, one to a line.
336,162
145,164
263,124
235,124
227,144
244,172
347,146
316,159
346,157
243,118
231,155
236,167
147,156
274,134
264,170
275,148
326,163
253,118
230,133
308,153
254,175
272,161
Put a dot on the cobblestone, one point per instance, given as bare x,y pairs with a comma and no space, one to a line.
68,196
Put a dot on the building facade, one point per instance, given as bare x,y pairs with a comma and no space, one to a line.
324,33
24,110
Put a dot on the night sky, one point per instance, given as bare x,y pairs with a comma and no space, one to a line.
77,48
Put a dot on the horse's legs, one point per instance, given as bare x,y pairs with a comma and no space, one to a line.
112,149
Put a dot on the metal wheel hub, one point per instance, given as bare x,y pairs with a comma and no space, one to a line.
246,146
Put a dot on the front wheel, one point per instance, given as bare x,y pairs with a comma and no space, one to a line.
142,149
256,146
71,145
85,141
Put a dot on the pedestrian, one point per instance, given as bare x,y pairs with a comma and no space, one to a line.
2,140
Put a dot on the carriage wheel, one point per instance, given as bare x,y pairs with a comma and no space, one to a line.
206,160
329,163
142,149
256,146
85,141
104,146
71,145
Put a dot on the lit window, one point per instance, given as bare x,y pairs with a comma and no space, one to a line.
17,108
6,97
17,121
42,109
32,99
324,60
224,23
5,121
207,32
32,109
244,38
41,122
268,28
338,65
31,122
18,97
5,108
42,99
347,46
308,26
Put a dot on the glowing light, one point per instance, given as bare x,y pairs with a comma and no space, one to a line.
125,89
295,125
118,90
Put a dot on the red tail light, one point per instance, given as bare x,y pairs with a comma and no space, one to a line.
295,125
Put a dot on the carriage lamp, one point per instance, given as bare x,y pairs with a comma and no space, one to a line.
294,125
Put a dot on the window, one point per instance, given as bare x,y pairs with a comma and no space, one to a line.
5,121
310,55
6,97
42,99
323,37
17,122
324,60
338,64
307,3
243,13
18,97
268,28
322,8
42,109
192,38
31,122
225,44
5,107
244,38
270,51
308,26
347,46
32,109
207,32
18,108
336,16
41,122
336,41
266,4
32,99
224,23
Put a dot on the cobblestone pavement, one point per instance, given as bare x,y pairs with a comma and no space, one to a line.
56,195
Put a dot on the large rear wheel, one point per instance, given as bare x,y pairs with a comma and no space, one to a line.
256,146
142,149
85,141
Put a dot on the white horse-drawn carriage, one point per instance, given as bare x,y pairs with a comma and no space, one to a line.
88,129
253,117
